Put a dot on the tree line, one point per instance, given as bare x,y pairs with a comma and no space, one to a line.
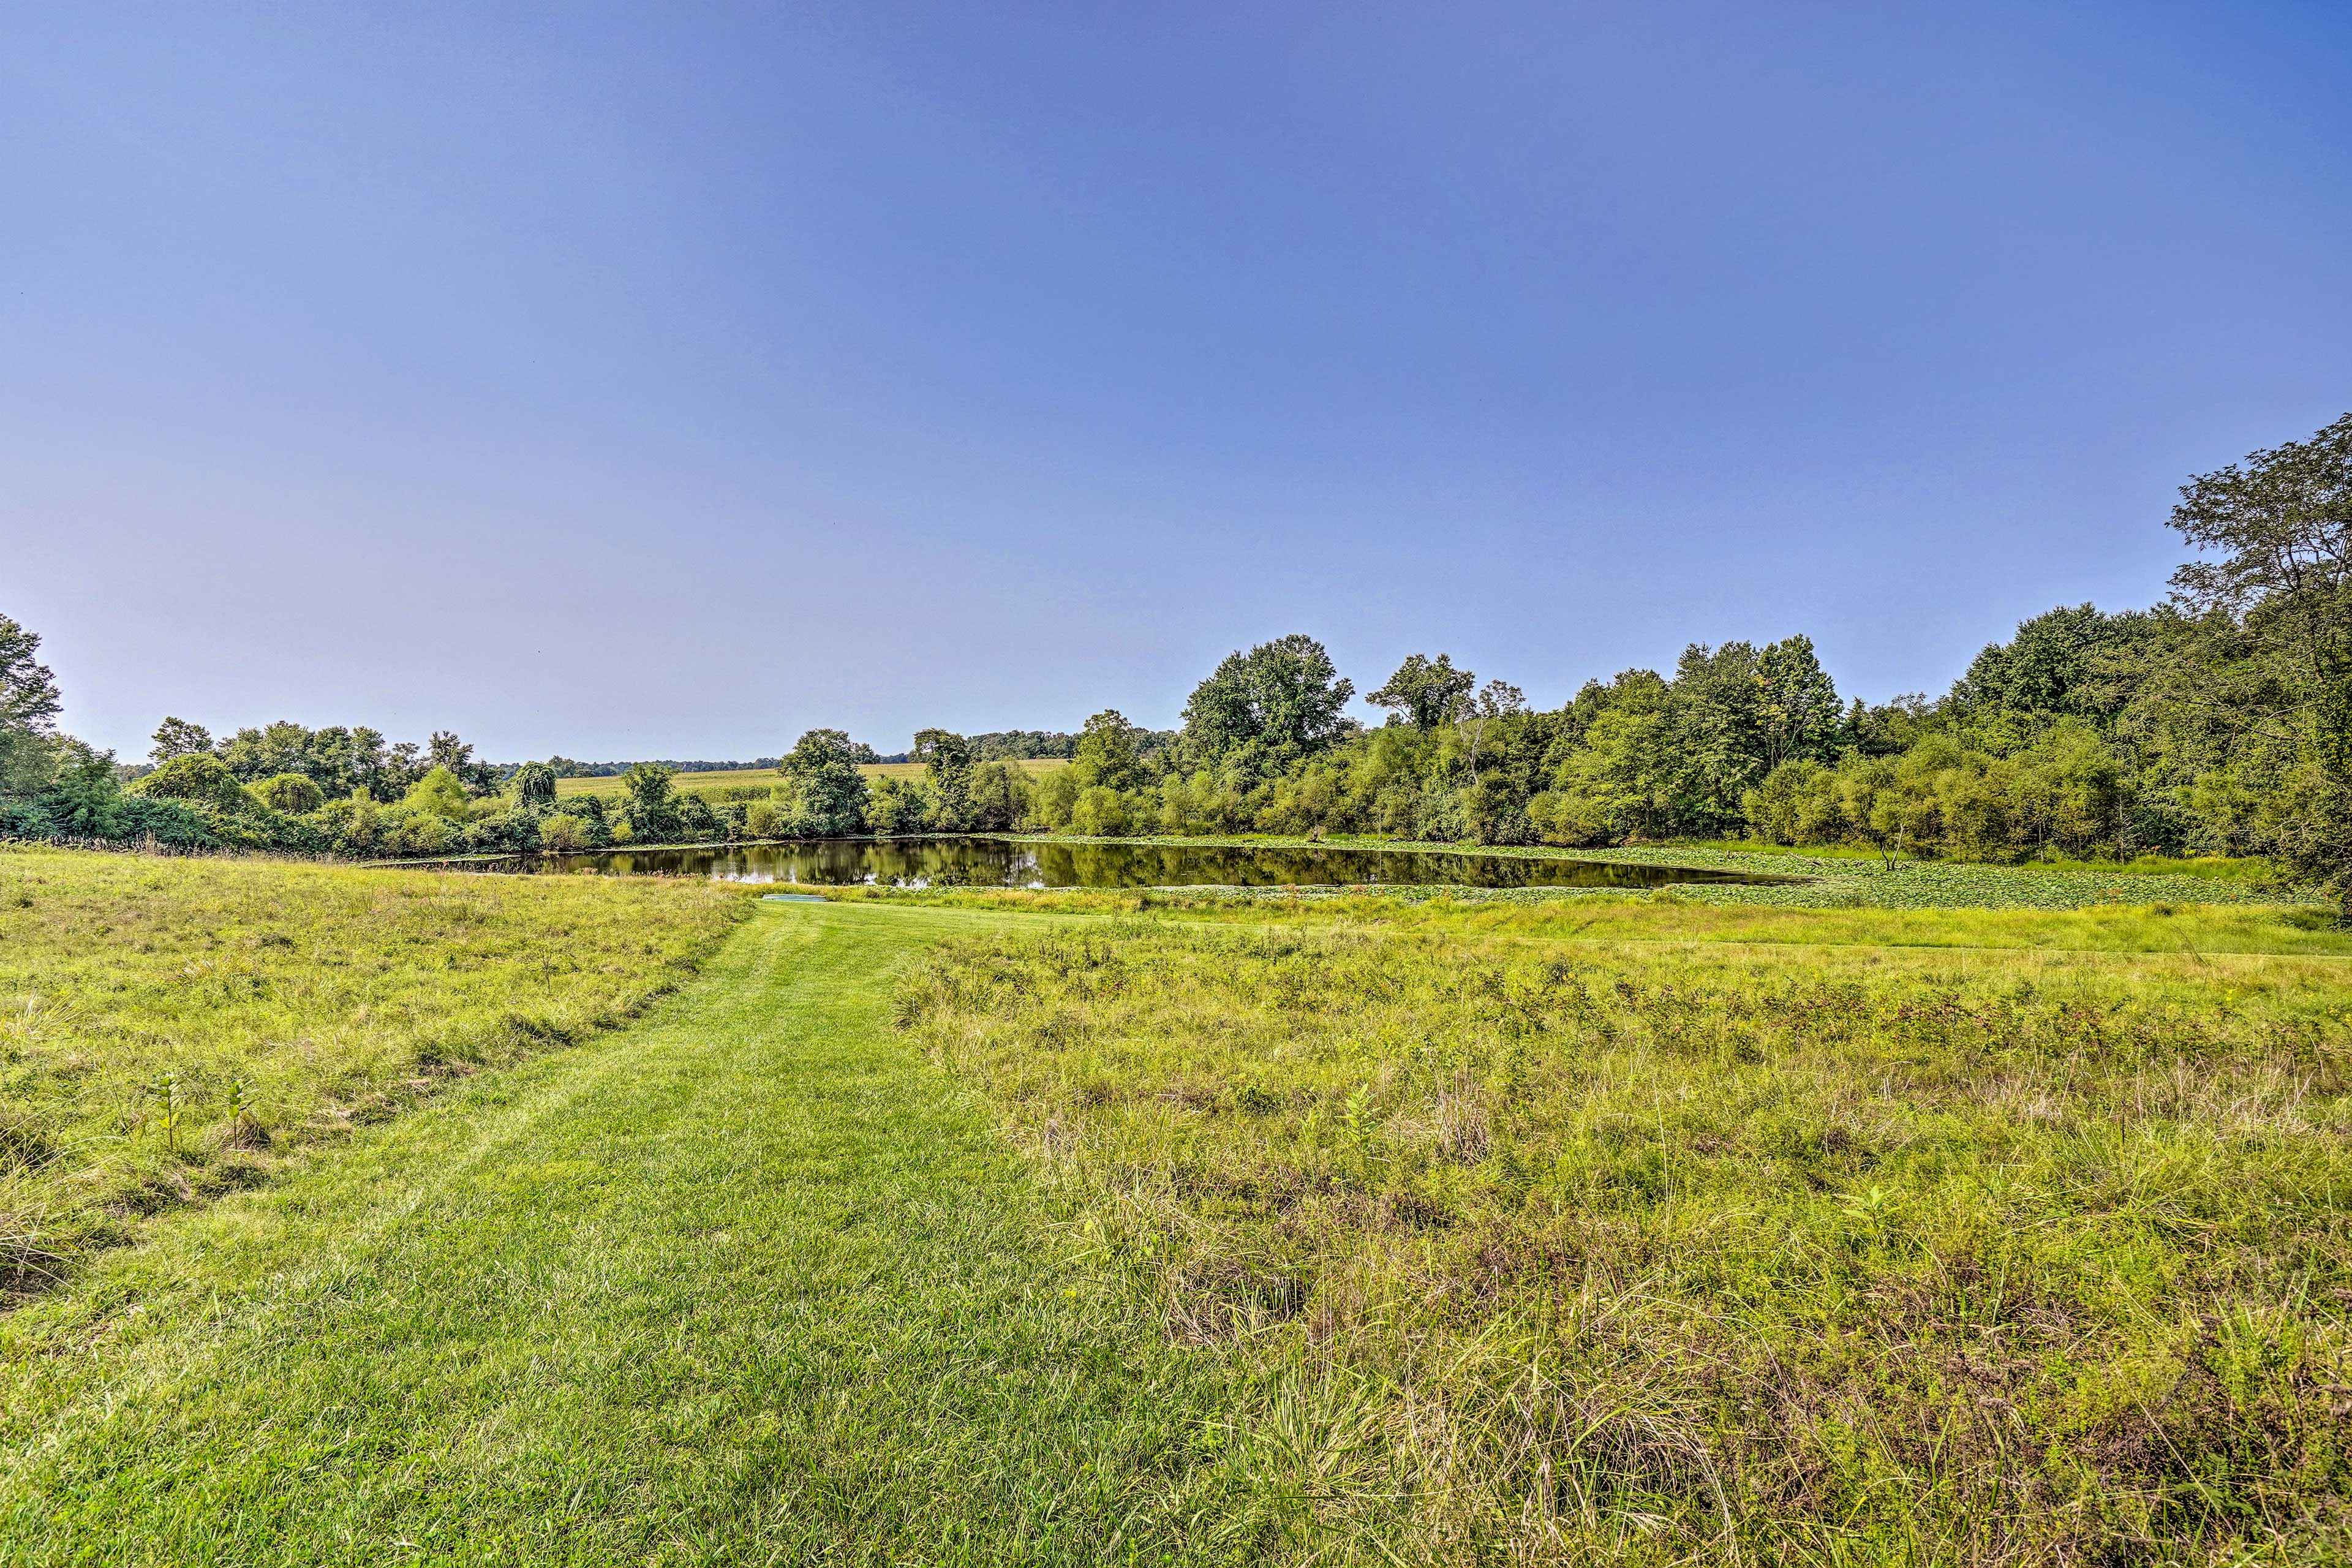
2218,723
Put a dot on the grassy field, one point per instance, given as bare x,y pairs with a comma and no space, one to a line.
971,1226
1592,1249
720,779
170,1028
750,1283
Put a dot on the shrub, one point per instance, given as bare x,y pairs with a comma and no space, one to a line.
1101,812
563,833
696,820
290,793
411,831
197,778
650,807
353,826
508,832
896,806
441,794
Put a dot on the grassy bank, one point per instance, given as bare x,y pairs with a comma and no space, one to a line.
1647,1251
170,1028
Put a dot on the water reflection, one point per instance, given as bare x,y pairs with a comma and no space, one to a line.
1013,863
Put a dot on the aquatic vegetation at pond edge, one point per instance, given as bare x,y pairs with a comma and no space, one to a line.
1645,1251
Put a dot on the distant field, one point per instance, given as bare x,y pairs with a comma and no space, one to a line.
728,778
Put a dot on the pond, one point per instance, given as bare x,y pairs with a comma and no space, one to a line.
1029,863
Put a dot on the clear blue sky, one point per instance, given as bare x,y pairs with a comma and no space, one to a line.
665,380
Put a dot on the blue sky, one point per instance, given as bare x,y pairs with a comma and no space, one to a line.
668,380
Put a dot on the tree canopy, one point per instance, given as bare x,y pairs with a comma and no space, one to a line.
1281,701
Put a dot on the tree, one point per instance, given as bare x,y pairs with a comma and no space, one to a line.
178,738
1427,692
293,794
1106,753
832,793
2266,643
441,794
1280,702
84,799
446,750
198,777
946,757
1498,700
895,806
28,711
1796,704
535,786
649,807
1714,735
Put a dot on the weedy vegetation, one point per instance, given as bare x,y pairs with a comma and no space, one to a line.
174,1028
1658,1250
976,1224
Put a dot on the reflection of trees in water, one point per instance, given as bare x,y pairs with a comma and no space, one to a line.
997,862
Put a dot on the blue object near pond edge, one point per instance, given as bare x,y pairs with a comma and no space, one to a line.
791,899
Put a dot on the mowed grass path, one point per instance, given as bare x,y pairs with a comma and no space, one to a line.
747,1282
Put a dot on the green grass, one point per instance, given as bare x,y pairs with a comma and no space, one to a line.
982,1226
170,1028
1600,1250
1672,916
749,1283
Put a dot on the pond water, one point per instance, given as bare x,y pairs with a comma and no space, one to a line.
1015,863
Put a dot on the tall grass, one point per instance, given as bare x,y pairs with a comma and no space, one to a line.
1643,1251
170,1028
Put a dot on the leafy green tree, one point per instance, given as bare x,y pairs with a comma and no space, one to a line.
1617,782
179,738
1796,704
894,804
946,757
1714,735
999,796
84,799
832,793
1428,692
2264,650
1101,812
648,805
1105,755
534,787
28,711
254,755
196,777
439,794
293,794
446,750
2072,662
1498,700
1278,704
